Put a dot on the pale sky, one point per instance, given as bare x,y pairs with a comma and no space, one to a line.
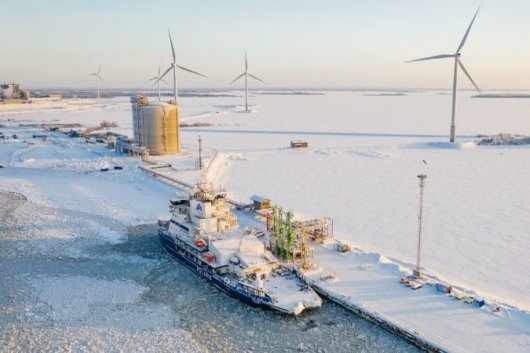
296,43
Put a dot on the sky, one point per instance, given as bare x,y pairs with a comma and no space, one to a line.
290,43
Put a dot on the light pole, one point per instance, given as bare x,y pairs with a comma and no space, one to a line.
417,272
200,152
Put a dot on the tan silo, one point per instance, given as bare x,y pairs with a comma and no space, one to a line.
155,126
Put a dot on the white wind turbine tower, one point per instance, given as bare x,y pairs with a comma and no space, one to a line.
158,78
173,67
246,74
458,62
98,78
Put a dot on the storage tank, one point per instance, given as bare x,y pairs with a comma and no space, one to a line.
155,126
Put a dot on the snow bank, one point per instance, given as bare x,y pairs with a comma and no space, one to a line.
504,139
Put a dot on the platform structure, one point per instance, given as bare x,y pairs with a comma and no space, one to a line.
289,239
318,230
132,149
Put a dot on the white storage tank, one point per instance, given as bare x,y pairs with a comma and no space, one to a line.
155,126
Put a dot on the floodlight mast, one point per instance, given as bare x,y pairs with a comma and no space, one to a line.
418,272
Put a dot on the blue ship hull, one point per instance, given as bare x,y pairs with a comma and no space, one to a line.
219,281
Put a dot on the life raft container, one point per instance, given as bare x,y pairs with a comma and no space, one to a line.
199,243
209,257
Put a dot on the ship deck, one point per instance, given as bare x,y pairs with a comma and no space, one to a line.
289,292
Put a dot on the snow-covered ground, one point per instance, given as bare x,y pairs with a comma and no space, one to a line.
476,214
369,281
360,169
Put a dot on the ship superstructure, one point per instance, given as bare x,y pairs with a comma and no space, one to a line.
203,233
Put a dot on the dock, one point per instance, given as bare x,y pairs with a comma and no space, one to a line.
166,178
369,286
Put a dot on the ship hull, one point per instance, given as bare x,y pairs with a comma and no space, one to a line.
218,281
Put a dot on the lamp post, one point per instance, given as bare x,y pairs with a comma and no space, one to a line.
417,272
200,152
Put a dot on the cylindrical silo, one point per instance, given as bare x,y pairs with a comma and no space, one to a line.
154,126
159,128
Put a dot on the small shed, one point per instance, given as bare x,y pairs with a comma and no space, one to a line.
299,144
260,202
341,246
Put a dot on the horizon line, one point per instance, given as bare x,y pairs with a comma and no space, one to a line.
281,88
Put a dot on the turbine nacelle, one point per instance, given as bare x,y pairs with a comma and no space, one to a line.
173,65
157,80
97,73
457,54
98,78
458,63
246,74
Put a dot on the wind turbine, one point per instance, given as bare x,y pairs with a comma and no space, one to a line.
157,82
458,62
98,77
246,74
173,67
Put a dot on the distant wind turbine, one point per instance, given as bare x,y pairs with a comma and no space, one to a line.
158,78
98,78
458,62
246,74
173,67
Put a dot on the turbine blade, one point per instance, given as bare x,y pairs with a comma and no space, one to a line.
154,78
164,74
99,69
193,72
172,48
442,56
164,81
254,77
468,76
238,77
467,32
99,78
246,63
